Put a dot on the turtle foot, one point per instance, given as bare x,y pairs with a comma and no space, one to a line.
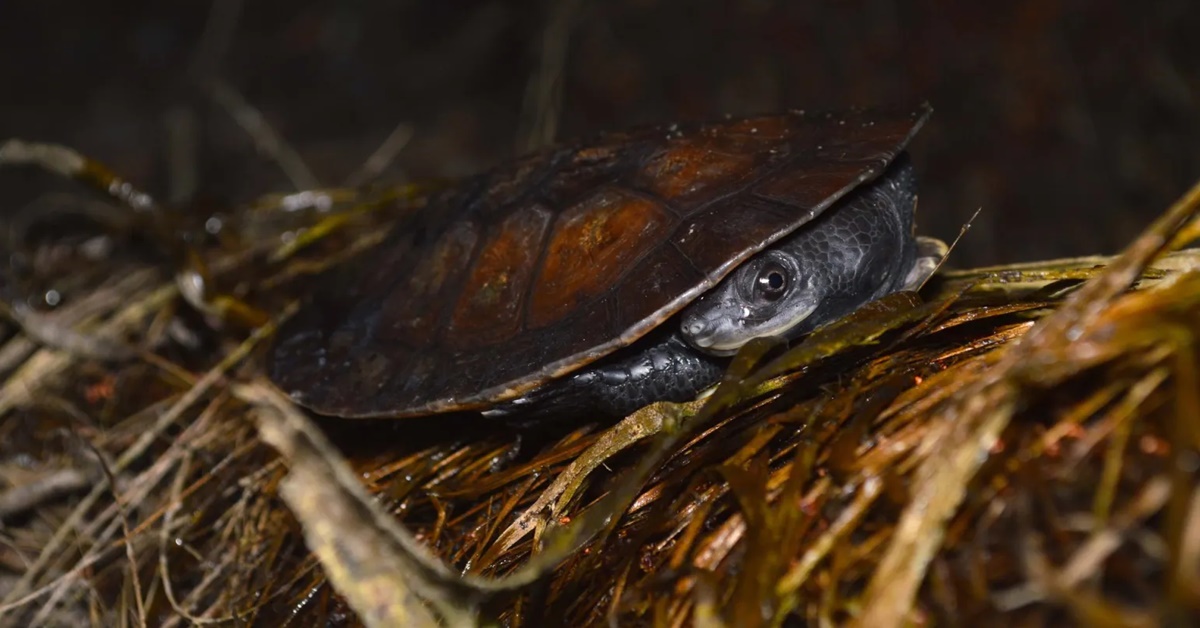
930,253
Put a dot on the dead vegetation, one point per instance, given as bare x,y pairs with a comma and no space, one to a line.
1018,445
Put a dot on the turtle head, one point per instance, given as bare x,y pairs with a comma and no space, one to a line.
769,295
856,251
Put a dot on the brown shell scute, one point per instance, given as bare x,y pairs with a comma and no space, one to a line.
535,269
810,187
689,173
410,319
590,250
490,303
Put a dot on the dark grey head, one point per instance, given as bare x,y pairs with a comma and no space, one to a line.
858,250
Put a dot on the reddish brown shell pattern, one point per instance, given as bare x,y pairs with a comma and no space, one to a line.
539,267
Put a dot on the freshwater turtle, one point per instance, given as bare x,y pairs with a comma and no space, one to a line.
607,275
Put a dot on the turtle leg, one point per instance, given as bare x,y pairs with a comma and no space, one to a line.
664,369
930,253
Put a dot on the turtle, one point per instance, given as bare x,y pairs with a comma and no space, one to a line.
601,276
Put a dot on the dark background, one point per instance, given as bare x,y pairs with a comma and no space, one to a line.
1070,123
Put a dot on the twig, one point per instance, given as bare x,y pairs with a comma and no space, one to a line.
382,157
542,105
265,138
20,499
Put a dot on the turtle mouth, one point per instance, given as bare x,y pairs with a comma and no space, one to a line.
708,343
707,333
724,336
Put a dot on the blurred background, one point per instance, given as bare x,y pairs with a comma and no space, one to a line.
1070,123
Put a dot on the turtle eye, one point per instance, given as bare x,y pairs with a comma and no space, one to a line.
772,281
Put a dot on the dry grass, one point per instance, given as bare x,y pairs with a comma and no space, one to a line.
1018,446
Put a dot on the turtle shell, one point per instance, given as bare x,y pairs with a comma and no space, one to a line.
539,267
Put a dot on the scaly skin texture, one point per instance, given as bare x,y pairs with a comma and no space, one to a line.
858,251
663,369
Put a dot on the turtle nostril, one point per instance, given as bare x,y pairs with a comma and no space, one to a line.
693,327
